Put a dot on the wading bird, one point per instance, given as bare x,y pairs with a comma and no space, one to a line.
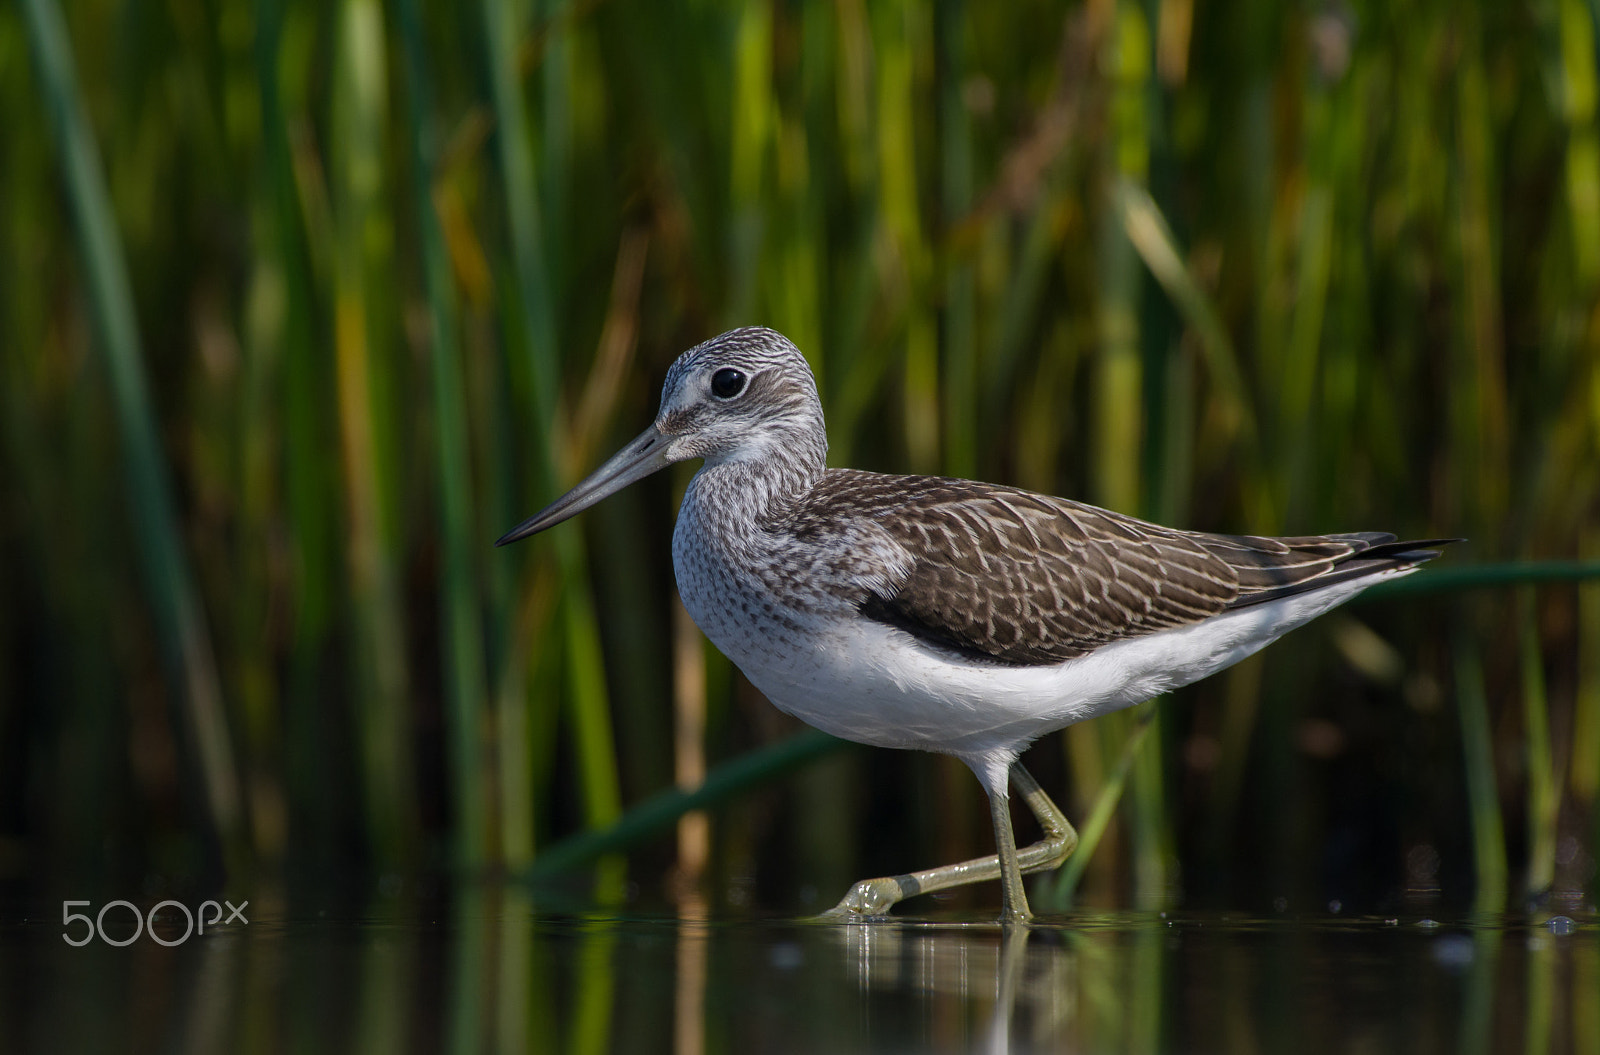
947,615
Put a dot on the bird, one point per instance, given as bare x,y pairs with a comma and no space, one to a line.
940,614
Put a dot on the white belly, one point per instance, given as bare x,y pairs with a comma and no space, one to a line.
867,682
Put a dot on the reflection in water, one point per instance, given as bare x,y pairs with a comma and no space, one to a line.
979,968
490,973
689,1007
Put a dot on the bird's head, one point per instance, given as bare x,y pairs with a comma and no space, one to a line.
746,395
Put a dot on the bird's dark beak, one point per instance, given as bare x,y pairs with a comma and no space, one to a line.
645,455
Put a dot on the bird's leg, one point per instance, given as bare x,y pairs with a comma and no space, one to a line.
1060,838
1005,843
874,897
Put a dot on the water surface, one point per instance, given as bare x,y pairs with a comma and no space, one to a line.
489,971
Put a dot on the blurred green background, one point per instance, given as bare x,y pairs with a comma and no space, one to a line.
304,303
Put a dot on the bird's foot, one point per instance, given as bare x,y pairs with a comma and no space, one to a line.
870,898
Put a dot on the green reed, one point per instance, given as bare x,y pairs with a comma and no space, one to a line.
181,623
368,283
461,638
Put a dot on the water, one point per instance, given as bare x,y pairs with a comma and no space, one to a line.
489,972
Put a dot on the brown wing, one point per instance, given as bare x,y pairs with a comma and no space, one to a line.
1017,577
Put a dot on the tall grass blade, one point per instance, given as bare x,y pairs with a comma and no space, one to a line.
180,618
1479,412
1483,797
752,119
960,373
461,628
1093,829
897,30
1580,81
304,418
534,315
364,360
1121,385
1150,235
1583,774
1544,792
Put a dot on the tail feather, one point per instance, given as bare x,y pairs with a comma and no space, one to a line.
1386,556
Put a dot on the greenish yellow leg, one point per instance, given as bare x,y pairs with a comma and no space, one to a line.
874,897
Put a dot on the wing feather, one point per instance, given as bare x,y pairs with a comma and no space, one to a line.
1006,575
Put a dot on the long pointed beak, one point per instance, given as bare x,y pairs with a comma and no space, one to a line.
645,455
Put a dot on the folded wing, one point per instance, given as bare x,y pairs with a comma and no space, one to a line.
1013,577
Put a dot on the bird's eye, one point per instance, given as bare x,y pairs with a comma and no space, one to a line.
727,383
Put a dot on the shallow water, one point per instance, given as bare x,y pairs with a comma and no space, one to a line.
489,972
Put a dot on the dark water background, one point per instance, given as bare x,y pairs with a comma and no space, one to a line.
487,969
